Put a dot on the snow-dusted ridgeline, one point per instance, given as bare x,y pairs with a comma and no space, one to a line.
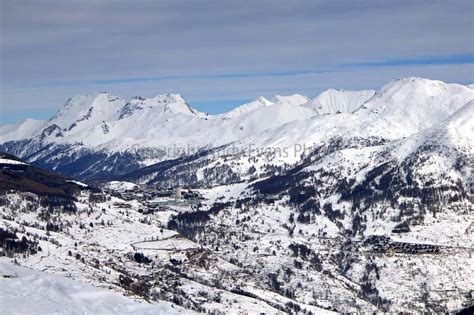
106,135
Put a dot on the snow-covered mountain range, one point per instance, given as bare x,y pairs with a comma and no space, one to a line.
102,134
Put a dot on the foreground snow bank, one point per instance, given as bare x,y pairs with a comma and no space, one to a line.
12,162
25,291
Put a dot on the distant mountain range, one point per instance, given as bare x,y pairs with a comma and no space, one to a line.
100,135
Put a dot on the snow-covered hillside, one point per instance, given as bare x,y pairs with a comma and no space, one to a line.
234,250
25,291
406,106
245,108
339,101
294,99
21,130
117,239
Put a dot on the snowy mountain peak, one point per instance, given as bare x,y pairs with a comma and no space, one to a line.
259,102
334,101
422,92
174,103
168,98
263,100
164,103
409,105
83,111
406,89
19,131
294,99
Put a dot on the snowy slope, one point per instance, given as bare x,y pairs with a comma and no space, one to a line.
454,133
339,101
11,162
21,130
245,108
294,99
25,291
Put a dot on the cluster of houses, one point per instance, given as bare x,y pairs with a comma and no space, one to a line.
156,199
269,198
412,248
379,243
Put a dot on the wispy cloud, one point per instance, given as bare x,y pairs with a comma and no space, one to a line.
210,76
420,61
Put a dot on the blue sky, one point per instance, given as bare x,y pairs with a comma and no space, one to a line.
219,54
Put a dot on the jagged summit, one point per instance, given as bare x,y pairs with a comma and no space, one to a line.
263,100
164,103
102,106
84,111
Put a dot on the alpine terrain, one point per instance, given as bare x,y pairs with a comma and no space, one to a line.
349,202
